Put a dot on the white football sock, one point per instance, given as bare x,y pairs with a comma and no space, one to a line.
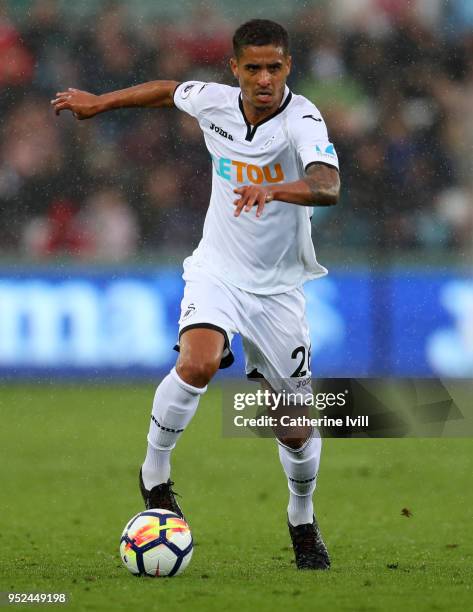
174,405
301,467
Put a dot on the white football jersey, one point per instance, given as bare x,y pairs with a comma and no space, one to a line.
273,253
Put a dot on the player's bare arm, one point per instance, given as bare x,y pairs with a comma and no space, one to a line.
324,185
83,104
320,187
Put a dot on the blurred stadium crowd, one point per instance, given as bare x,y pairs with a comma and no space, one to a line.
393,78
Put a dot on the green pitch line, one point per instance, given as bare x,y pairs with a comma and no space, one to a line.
396,514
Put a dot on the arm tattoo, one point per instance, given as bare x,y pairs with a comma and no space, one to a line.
324,184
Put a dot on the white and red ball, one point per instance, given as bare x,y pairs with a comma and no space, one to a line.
156,543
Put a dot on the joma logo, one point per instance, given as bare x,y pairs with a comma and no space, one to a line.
219,130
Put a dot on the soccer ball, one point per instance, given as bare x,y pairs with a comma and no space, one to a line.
156,543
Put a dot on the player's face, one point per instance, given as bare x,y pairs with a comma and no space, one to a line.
262,72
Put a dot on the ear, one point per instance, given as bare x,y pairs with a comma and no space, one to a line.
234,66
289,64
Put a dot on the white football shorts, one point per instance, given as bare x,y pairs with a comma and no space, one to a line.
273,328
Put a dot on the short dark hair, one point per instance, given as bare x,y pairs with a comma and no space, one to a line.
259,32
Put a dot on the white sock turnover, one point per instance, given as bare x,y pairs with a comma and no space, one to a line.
301,467
174,405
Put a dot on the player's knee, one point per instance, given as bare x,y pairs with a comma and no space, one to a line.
293,442
197,373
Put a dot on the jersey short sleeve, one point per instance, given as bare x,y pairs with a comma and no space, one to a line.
196,97
310,137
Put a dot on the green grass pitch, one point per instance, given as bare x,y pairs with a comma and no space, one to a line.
69,467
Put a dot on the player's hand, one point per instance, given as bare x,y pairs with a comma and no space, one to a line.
252,195
82,104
